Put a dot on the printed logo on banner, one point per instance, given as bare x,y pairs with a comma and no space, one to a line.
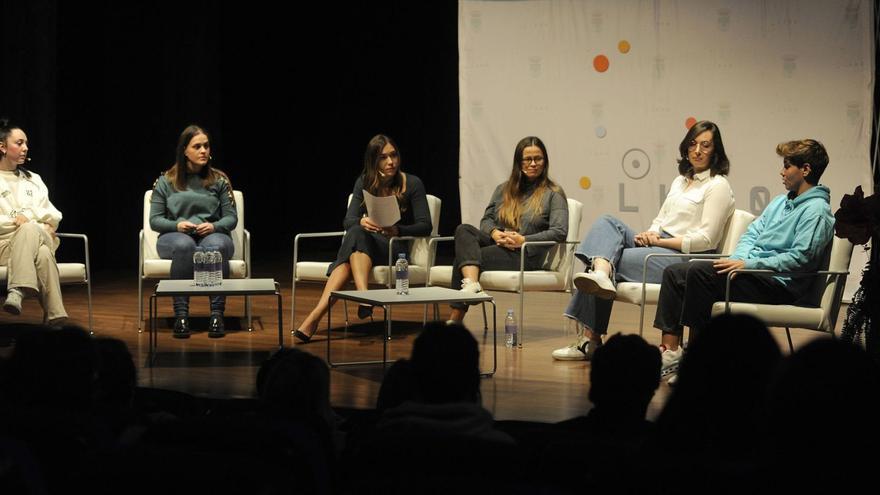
724,113
598,18
476,110
635,163
659,69
535,66
851,16
476,21
853,113
759,198
789,65
723,20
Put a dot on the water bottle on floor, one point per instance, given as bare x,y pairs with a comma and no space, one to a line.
199,267
401,274
510,329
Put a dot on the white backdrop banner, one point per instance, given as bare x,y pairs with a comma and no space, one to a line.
612,86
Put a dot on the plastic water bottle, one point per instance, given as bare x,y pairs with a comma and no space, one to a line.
199,267
510,329
209,268
401,274
218,263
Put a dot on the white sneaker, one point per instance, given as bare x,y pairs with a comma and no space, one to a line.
579,350
669,360
595,283
471,286
13,302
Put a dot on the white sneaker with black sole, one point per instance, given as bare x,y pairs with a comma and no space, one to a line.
669,360
13,302
595,283
471,286
579,350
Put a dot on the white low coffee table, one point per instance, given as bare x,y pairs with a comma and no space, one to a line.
232,287
386,298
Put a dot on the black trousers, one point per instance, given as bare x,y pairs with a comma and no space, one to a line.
475,247
690,289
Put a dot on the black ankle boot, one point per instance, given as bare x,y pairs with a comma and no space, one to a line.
181,327
216,329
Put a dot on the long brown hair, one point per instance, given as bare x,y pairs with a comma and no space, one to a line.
176,175
514,190
371,177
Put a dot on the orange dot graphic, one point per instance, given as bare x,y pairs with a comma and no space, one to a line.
690,122
623,46
600,63
585,182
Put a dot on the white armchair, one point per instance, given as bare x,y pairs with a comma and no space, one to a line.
316,271
71,273
827,291
556,278
151,266
643,293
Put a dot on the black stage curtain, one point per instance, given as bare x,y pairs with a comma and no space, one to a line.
104,88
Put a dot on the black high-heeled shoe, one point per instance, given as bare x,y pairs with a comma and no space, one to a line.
304,339
216,328
365,311
181,327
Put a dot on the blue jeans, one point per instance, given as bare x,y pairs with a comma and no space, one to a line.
611,239
179,248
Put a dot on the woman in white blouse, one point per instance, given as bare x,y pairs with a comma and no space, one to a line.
691,220
28,221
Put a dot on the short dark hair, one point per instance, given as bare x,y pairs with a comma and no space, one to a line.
803,152
719,164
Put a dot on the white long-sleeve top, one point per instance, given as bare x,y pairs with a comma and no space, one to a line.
20,195
696,212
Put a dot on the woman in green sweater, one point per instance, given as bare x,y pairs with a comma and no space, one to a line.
193,205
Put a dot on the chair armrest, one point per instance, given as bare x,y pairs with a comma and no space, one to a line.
528,244
730,275
432,251
85,240
247,251
310,235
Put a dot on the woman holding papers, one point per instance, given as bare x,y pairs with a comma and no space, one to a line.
192,205
366,239
527,207
28,221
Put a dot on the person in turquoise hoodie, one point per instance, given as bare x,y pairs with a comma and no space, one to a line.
791,235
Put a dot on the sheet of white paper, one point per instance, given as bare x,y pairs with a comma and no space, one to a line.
382,210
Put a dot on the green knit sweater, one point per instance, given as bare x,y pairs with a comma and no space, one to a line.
196,204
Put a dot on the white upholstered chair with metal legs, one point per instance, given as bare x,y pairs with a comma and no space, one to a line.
71,273
555,278
827,291
643,293
316,271
151,266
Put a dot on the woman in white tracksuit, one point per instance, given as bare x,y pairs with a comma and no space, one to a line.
28,222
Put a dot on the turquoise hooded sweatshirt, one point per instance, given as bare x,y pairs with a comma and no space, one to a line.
791,235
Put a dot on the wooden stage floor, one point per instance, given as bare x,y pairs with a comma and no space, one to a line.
529,384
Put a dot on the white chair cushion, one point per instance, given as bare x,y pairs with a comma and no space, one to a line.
533,280
441,275
162,269
69,273
317,271
631,292
781,315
